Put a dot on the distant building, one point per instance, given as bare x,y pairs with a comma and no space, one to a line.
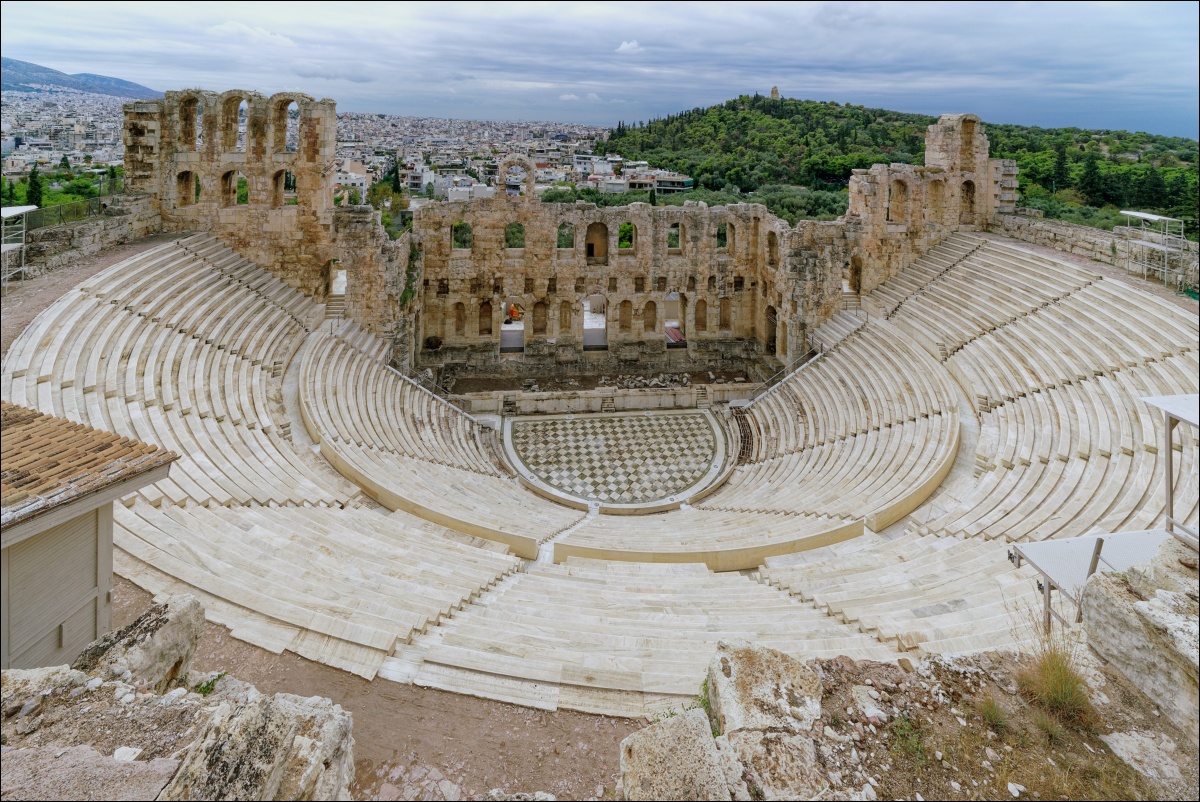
774,93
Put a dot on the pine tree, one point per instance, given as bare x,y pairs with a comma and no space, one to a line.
653,197
1152,191
1090,183
33,194
1061,177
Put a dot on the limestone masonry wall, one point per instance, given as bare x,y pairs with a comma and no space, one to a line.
125,218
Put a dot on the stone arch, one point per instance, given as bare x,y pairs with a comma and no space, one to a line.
627,237
649,317
772,249
460,319
514,235
187,188
191,123
525,163
897,207
935,200
625,316
596,244
285,124
966,213
485,318
856,268
512,332
722,236
235,110
701,313
595,323
566,236
675,319
461,237
540,315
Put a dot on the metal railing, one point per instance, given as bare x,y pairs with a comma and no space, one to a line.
62,213
773,381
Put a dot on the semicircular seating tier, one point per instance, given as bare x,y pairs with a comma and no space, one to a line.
177,347
1055,360
614,637
866,430
410,450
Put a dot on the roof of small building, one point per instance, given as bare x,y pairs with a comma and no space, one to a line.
46,462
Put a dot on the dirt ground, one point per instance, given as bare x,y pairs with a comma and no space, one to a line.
471,384
25,299
419,743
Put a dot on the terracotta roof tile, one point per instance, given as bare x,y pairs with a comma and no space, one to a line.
47,461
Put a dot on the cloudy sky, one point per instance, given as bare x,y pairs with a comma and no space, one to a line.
1097,65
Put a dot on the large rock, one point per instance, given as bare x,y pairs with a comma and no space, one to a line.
1152,635
80,772
752,687
257,747
156,649
777,765
673,759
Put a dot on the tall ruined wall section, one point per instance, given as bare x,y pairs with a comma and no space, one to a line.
901,210
732,267
185,151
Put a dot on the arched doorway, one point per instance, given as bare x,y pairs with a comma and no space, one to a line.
595,323
512,330
966,214
674,317
855,275
596,243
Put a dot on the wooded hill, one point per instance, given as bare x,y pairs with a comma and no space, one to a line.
754,141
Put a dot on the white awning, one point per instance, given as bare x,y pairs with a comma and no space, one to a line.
1153,218
1184,407
16,211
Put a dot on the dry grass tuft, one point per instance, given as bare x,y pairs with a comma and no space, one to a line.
992,714
1052,682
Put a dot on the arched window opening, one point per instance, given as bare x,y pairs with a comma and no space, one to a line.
187,188
625,316
460,319
674,320
725,321
234,113
936,200
772,249
772,324
730,237
712,283
855,274
649,317
627,238
675,238
512,331
722,236
595,323
691,285
596,243
242,190
566,236
191,125
286,124
897,208
564,318
514,235
460,236
701,315
539,317
485,318
966,215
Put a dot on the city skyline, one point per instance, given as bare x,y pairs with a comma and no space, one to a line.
1087,65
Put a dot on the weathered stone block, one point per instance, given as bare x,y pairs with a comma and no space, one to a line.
752,687
673,759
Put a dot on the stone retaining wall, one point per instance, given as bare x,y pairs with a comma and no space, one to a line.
125,218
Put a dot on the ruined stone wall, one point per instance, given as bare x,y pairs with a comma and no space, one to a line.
375,267
185,152
1108,247
736,299
903,210
125,218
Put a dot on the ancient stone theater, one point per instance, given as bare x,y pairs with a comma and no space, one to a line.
551,453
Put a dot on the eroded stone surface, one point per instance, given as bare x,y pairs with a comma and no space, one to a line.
673,759
80,772
752,687
156,649
1149,755
780,766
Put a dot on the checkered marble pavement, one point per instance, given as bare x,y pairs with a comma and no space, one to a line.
625,459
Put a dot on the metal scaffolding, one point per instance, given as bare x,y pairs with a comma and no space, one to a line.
1159,246
12,252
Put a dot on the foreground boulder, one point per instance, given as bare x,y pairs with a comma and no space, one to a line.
751,687
123,724
673,759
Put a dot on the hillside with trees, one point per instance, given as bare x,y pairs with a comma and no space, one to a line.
753,143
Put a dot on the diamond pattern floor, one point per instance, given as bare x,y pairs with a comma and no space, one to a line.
626,459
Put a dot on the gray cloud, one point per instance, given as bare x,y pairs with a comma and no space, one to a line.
1101,65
